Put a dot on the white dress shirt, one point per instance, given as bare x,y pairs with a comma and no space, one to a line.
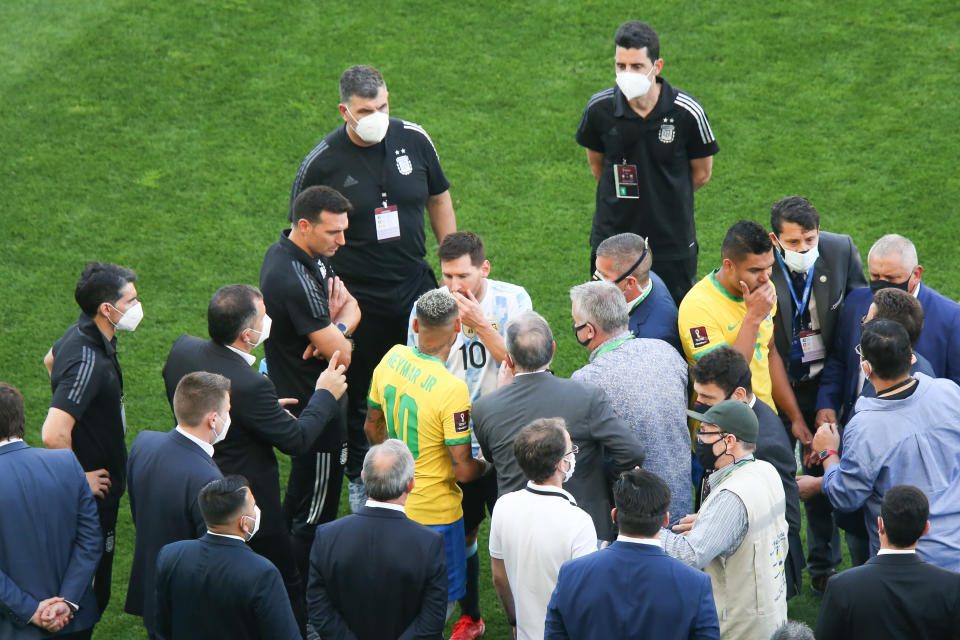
385,505
249,357
206,446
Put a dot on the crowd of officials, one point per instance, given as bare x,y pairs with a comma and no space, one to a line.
617,511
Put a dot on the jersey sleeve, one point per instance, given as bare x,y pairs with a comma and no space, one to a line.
587,134
522,302
495,543
375,396
700,333
701,142
585,540
411,336
306,305
437,181
309,173
77,383
456,416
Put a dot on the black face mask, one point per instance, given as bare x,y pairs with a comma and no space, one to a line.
701,407
705,454
576,329
877,285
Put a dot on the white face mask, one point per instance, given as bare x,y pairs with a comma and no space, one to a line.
219,436
129,320
264,332
634,85
800,262
371,128
572,461
256,523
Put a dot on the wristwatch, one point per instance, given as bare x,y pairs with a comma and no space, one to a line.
342,327
826,453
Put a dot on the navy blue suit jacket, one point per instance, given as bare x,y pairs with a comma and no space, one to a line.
656,316
631,591
377,575
259,423
165,472
50,540
939,344
217,587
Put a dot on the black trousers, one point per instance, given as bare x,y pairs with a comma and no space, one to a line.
313,497
107,510
823,538
678,274
278,549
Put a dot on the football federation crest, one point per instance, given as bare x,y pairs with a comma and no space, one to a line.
404,166
469,332
667,133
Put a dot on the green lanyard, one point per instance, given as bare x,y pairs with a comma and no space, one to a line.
611,345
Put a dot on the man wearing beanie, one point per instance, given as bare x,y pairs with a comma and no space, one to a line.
739,536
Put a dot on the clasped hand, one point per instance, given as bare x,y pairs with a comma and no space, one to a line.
52,614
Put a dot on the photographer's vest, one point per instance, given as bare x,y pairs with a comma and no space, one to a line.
749,587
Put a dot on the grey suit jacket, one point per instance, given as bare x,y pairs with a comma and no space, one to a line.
498,416
837,272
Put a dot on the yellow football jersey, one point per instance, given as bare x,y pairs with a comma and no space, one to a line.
428,408
710,317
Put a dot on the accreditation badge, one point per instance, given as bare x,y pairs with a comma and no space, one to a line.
387,221
627,181
812,347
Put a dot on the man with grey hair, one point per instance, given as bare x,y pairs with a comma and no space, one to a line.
378,574
414,398
390,171
792,630
532,392
646,381
892,262
625,260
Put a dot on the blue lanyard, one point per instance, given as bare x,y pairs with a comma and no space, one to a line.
800,305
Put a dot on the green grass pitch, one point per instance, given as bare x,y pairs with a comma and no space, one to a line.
165,136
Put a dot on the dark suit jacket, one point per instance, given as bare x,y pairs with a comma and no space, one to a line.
938,345
836,273
498,416
50,540
891,596
258,424
165,472
215,588
773,446
377,575
631,591
656,316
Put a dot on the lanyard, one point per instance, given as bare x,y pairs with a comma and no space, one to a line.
609,346
800,305
382,178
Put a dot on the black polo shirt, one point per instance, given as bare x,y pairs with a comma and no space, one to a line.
661,145
294,287
87,383
405,165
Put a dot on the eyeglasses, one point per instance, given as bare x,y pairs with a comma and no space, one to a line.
598,277
701,433
575,450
